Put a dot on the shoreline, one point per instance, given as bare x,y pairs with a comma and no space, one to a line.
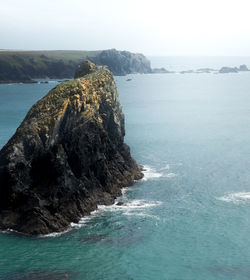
80,223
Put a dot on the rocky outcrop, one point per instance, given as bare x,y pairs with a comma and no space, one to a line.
161,71
23,66
67,156
225,70
242,68
123,62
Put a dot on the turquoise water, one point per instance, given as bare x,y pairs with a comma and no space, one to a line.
190,216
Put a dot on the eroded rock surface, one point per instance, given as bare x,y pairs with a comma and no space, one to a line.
67,156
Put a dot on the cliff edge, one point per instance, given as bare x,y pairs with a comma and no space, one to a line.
67,156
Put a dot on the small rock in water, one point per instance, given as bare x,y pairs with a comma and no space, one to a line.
93,238
120,203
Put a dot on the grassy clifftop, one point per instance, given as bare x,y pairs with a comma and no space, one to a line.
22,66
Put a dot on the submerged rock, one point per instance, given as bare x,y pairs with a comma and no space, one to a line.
67,156
41,275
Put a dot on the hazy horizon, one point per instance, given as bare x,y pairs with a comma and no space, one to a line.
158,28
147,55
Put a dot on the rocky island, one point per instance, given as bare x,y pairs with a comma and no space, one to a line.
67,156
225,70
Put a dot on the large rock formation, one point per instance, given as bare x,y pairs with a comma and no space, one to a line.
123,62
67,156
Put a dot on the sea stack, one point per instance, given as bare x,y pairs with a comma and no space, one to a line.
67,156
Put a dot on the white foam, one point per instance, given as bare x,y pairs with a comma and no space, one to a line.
83,221
55,234
166,167
130,205
238,197
170,175
150,173
124,190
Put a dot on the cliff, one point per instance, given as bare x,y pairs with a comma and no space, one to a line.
67,156
123,62
23,66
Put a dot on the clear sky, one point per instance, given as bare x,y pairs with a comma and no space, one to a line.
155,27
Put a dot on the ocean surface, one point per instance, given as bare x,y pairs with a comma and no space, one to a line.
189,218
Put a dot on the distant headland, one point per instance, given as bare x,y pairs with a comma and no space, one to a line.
25,66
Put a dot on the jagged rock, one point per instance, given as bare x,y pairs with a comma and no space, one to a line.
67,156
243,67
120,203
225,70
123,62
187,72
161,71
205,70
86,68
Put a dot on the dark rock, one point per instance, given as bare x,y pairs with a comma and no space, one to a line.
128,80
243,67
67,156
123,62
161,71
225,70
21,66
120,203
187,72
86,68
205,70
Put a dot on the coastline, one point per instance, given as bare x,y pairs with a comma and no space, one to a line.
82,221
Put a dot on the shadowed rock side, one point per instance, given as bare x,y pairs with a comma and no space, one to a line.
67,156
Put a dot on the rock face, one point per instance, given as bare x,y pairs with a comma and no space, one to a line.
123,62
67,156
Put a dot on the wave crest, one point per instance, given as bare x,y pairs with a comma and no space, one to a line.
151,173
239,197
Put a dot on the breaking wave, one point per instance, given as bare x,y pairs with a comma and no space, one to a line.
239,197
151,173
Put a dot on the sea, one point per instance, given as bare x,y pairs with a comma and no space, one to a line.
189,217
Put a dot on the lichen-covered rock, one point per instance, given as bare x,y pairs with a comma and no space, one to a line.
86,68
67,156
